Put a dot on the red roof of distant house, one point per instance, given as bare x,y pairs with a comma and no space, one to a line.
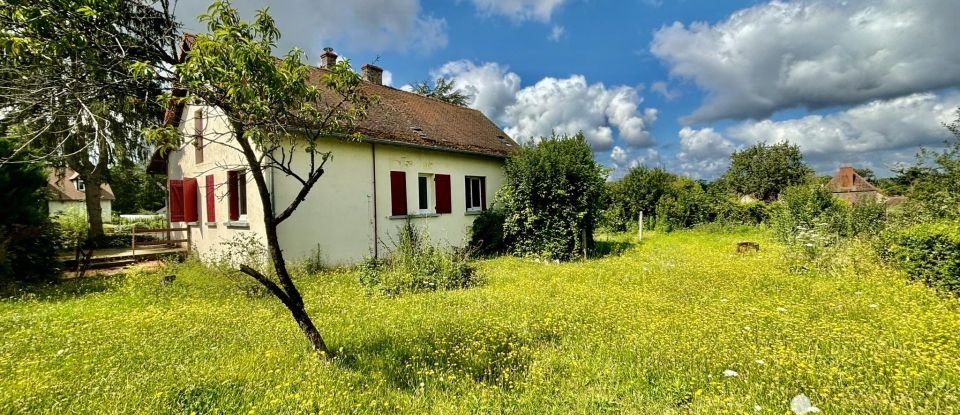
62,187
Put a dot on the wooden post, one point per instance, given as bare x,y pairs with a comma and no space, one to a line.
133,239
640,227
584,235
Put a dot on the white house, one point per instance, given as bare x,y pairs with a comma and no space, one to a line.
420,160
67,191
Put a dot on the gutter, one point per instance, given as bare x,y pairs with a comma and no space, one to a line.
376,233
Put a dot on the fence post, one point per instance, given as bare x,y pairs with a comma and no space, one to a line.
584,235
640,227
133,239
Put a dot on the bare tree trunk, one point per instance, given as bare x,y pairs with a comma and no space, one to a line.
286,292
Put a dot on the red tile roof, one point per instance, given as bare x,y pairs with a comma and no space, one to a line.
404,118
61,187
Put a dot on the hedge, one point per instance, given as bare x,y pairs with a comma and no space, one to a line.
930,253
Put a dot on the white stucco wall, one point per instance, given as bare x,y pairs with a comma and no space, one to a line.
106,208
339,215
207,237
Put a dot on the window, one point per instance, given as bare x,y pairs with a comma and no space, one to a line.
475,190
237,189
423,185
81,187
198,134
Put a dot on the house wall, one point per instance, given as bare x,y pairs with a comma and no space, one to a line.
58,206
855,197
219,157
339,215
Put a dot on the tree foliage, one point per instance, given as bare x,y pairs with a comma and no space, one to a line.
136,191
443,90
265,100
27,237
763,170
66,74
552,198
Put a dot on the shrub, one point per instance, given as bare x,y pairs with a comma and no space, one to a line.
486,235
684,205
808,207
867,218
734,212
416,266
930,253
552,198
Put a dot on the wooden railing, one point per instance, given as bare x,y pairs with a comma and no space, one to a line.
163,236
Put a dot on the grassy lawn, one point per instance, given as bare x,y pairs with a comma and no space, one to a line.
650,331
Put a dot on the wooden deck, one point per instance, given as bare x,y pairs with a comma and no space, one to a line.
163,243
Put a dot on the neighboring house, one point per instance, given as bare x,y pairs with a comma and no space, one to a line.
849,186
67,190
421,160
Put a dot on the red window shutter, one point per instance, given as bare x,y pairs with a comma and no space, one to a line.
483,193
175,202
442,184
211,200
233,195
191,205
398,193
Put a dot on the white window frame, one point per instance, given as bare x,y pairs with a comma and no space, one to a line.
469,192
80,185
431,194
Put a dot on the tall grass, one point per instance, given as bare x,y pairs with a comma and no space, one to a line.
650,331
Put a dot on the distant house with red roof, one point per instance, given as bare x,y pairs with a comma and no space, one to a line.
850,186
68,191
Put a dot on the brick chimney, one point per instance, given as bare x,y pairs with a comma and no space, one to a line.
328,58
372,74
846,176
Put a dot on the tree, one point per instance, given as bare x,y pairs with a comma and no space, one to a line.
763,170
66,75
552,198
136,191
27,238
274,113
867,174
443,90
640,190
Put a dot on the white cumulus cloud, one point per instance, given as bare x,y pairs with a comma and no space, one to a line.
878,134
555,33
553,105
357,24
519,10
813,54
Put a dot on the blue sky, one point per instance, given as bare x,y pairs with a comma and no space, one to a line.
679,84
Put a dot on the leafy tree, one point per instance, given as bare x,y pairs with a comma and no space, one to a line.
65,74
641,189
232,67
684,204
763,170
867,174
135,190
552,197
443,90
27,238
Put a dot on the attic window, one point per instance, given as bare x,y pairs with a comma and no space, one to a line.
504,140
81,187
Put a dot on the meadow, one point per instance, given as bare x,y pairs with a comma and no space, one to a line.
679,323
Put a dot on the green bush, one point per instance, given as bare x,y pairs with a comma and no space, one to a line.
416,266
734,212
486,235
867,218
684,205
930,253
807,208
552,198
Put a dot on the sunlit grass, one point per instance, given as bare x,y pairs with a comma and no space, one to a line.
657,329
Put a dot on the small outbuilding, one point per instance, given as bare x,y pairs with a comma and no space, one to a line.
850,186
68,191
